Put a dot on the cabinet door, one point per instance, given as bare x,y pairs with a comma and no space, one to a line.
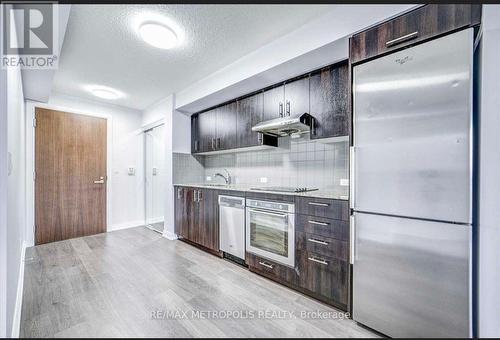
226,126
297,97
206,127
183,211
207,223
418,25
329,102
250,112
195,139
274,103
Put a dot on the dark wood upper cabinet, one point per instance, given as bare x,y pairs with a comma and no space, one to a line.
205,125
416,26
250,112
297,97
274,103
226,126
329,101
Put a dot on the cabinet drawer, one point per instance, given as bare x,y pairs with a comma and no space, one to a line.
322,245
271,269
326,227
418,25
322,207
269,197
324,277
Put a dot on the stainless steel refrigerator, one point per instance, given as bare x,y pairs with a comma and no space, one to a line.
412,190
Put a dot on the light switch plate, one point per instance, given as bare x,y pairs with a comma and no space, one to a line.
344,182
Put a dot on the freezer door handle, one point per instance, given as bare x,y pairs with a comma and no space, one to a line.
402,39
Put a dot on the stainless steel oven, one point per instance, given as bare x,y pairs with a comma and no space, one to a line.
270,230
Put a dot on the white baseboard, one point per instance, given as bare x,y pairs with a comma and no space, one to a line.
127,225
170,235
16,320
157,220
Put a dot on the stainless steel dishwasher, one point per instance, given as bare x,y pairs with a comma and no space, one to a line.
232,225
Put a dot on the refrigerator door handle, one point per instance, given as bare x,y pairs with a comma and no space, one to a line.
352,231
352,182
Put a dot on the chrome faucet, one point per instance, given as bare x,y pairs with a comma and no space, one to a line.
227,178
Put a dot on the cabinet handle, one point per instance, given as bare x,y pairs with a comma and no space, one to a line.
200,196
179,193
194,195
321,261
313,126
213,145
319,204
281,109
259,137
217,143
196,145
317,241
265,264
319,223
287,107
402,39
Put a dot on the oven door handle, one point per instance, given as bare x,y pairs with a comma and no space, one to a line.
263,212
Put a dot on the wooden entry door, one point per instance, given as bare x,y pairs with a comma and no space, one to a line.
70,179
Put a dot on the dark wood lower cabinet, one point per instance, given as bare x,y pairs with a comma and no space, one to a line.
321,243
275,271
196,216
324,277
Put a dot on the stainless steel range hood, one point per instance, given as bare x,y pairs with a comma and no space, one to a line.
285,126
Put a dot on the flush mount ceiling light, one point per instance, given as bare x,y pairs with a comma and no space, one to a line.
158,35
105,92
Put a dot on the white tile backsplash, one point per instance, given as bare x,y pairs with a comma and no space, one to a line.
295,162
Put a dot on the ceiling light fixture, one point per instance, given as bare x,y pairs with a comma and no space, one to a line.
105,92
158,35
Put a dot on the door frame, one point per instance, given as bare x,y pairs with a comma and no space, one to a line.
143,131
30,162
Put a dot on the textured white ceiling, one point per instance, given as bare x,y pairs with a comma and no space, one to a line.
102,46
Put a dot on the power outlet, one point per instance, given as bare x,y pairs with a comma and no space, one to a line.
263,179
344,182
208,178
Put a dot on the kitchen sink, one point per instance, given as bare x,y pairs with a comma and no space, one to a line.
215,185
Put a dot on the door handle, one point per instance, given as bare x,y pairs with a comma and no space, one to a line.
100,181
317,241
319,204
194,195
314,259
265,264
402,39
318,223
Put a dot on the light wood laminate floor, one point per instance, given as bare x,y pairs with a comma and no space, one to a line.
124,283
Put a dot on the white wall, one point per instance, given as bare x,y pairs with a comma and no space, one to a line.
489,218
127,192
12,199
16,190
336,24
3,202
